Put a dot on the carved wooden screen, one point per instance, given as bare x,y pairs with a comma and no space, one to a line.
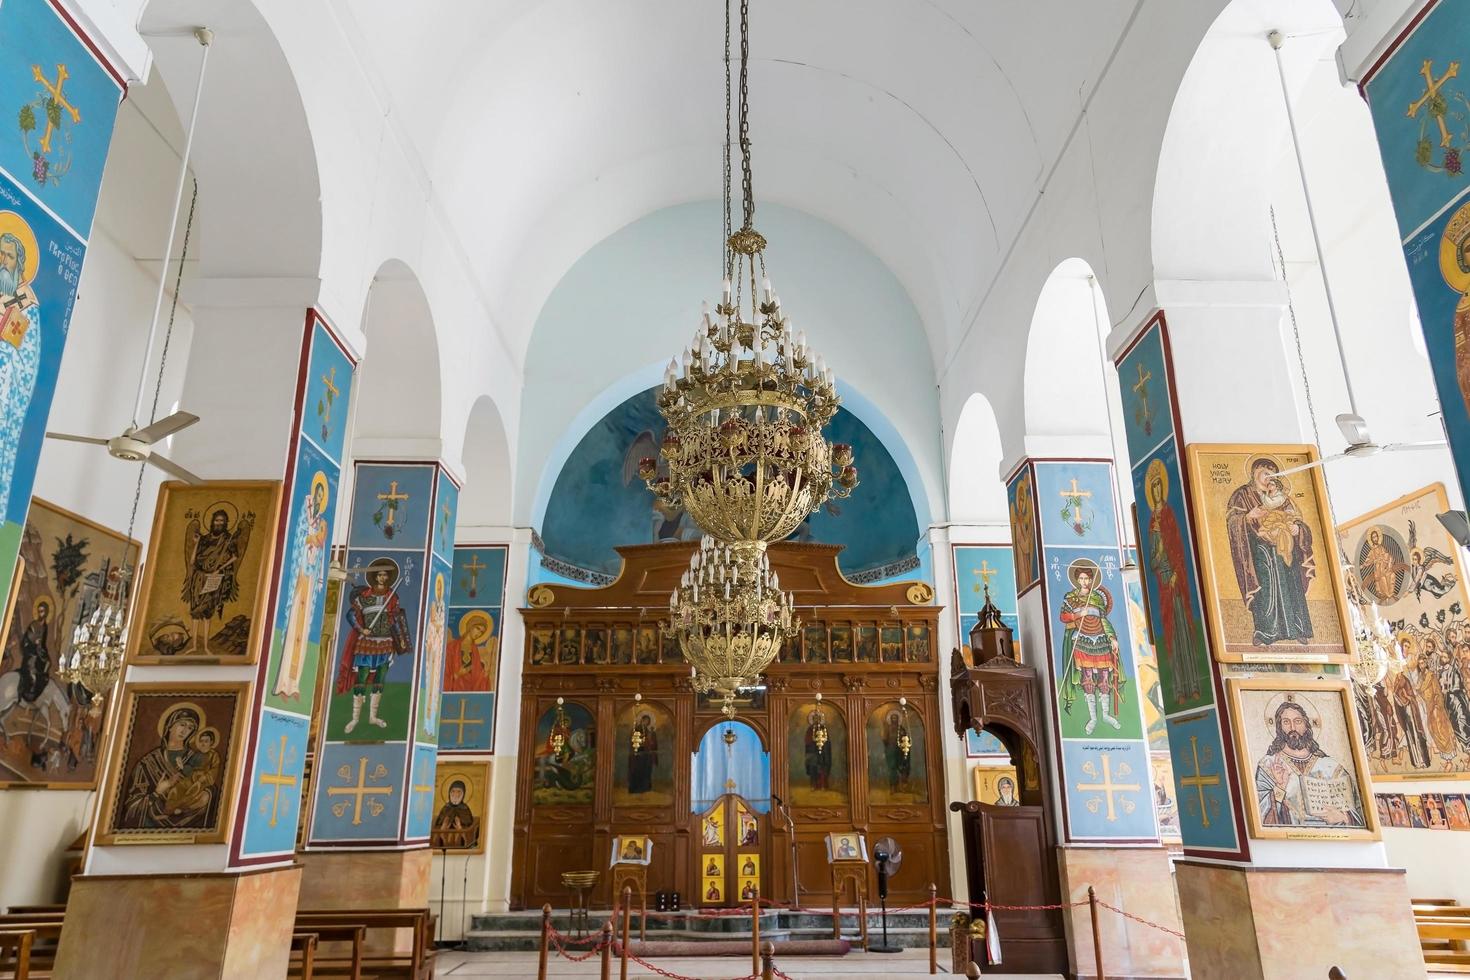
869,651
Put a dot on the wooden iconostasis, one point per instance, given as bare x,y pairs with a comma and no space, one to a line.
631,750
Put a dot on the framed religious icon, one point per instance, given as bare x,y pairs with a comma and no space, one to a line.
1301,759
173,771
846,846
461,793
52,733
631,850
203,597
997,785
1405,568
1272,576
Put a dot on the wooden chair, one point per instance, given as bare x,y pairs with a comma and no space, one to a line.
303,944
16,944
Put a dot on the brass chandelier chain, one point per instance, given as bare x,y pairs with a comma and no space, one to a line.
746,185
726,267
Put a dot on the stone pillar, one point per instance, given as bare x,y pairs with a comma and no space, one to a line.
1252,902
472,659
1067,531
373,793
224,901
500,822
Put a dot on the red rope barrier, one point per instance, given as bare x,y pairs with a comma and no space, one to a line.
1135,918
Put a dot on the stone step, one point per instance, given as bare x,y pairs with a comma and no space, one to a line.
520,931
722,924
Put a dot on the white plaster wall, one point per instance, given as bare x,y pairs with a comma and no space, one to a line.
633,301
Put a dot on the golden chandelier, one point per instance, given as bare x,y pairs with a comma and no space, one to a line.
730,616
743,452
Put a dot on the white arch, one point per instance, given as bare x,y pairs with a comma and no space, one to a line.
484,502
399,395
1064,371
976,493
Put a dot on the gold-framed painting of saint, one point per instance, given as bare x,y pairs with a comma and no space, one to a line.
70,568
1405,570
1272,578
1301,759
461,794
172,774
203,596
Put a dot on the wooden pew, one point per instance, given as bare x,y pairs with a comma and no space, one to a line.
15,944
320,965
45,932
1452,930
303,944
417,964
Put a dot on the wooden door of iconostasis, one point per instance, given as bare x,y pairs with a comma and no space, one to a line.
731,789
732,838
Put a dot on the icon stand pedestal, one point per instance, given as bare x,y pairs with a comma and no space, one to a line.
856,872
635,876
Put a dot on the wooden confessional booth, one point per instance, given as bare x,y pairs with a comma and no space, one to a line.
1010,851
848,720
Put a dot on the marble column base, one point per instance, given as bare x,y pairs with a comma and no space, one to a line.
1138,880
1289,923
367,880
185,926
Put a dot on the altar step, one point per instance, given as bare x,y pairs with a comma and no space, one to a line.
520,931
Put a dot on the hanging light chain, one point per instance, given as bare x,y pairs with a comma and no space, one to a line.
726,268
746,185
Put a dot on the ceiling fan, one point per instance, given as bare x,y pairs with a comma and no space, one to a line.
1360,443
136,443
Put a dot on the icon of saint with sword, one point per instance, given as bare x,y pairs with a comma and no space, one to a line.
378,632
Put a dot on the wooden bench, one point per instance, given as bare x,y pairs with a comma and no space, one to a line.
15,944
416,964
315,964
44,933
303,945
1450,931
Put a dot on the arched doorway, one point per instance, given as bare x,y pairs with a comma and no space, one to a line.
731,780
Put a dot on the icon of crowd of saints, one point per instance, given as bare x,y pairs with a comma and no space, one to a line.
1403,569
566,757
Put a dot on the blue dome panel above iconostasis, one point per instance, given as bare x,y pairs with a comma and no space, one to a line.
598,503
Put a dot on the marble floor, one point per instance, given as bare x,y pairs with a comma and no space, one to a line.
911,964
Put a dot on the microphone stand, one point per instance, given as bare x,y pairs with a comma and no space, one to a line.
785,812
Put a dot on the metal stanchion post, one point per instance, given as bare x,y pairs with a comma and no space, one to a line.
1096,936
627,915
755,933
933,928
545,941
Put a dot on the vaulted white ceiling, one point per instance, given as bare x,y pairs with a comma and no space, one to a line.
924,128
